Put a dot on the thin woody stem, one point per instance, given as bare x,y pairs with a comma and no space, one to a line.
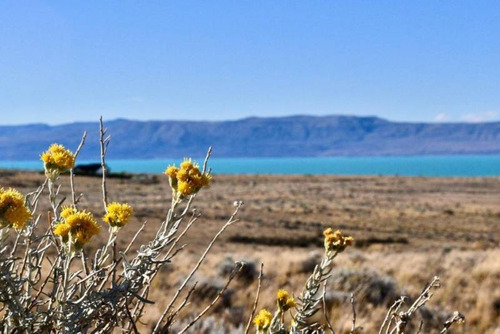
71,171
104,142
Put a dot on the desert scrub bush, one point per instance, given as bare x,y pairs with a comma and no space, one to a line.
56,278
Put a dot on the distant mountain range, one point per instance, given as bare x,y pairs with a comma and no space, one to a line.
294,136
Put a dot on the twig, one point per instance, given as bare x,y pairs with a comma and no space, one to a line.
171,318
38,193
140,306
84,262
404,317
193,219
354,329
71,172
327,320
256,301
170,217
237,268
135,237
390,312
420,327
200,261
33,302
114,252
104,142
457,317
134,327
205,162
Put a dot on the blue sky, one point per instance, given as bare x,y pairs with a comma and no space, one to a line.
64,61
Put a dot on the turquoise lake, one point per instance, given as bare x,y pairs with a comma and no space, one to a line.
406,166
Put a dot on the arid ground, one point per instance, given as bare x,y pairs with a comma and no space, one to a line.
407,230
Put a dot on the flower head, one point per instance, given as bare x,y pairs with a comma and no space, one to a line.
13,210
336,241
183,175
188,164
62,230
117,214
172,171
76,228
263,319
185,188
67,211
188,179
284,300
57,159
290,303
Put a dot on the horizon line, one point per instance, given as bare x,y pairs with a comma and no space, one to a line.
249,117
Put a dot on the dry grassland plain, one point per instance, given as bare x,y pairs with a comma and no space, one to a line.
407,230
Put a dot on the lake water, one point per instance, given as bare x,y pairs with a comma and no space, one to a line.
408,166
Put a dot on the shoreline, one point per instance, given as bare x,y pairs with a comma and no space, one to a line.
128,175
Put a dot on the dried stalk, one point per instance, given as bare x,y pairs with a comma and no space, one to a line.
71,172
256,301
325,313
104,143
234,273
457,317
230,221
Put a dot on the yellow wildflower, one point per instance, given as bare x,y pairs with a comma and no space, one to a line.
183,175
117,214
13,210
185,188
171,171
290,303
336,241
62,230
205,180
188,179
348,241
79,225
284,300
263,319
187,164
57,159
194,172
81,237
67,211
282,296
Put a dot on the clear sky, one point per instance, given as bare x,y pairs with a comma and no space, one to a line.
63,61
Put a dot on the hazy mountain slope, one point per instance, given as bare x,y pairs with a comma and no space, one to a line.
258,137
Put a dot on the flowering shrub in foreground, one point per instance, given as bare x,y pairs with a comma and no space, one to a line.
44,289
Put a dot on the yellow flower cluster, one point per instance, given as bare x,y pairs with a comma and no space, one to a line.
57,159
13,210
262,320
117,214
336,241
77,227
188,179
285,301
